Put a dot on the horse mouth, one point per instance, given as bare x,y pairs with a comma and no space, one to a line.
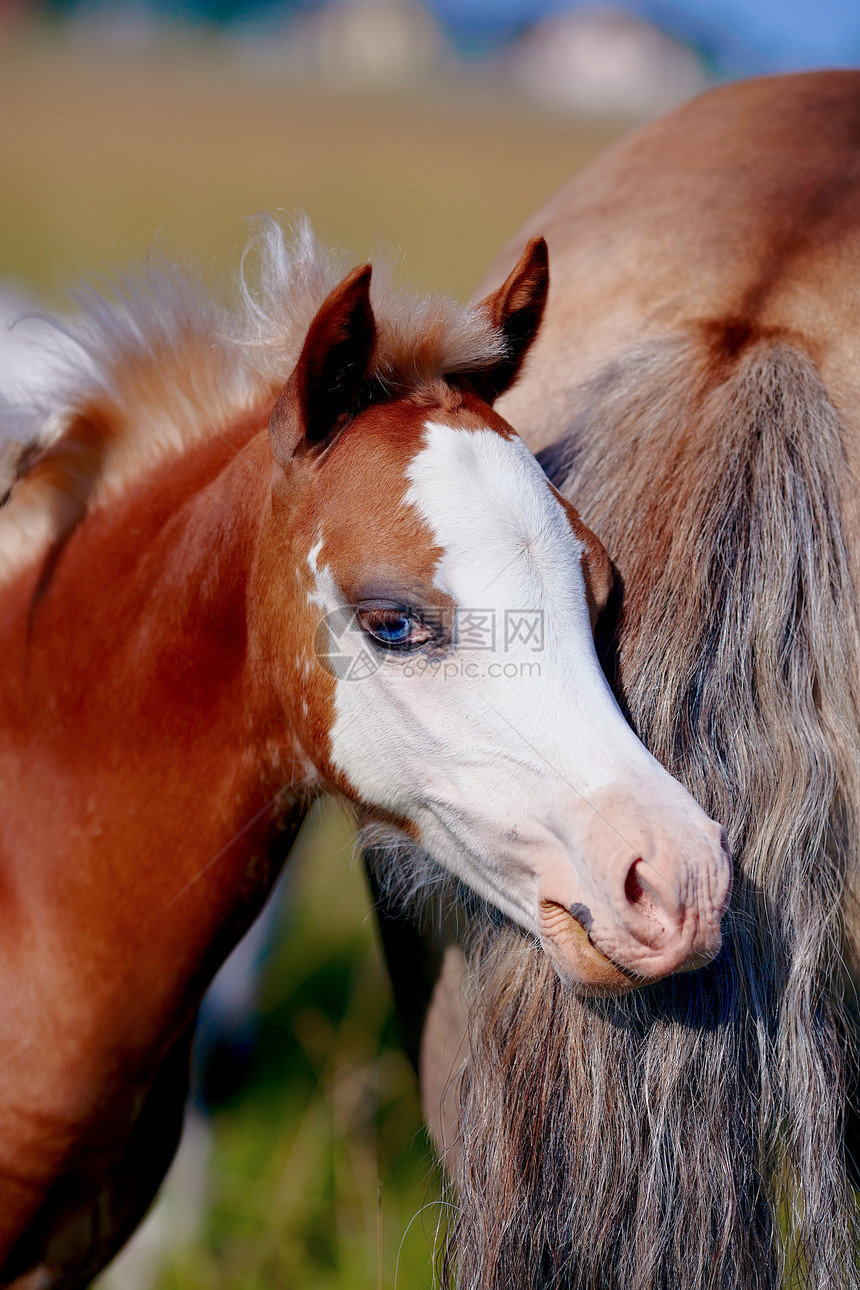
565,937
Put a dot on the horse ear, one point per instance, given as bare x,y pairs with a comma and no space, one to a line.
516,309
319,397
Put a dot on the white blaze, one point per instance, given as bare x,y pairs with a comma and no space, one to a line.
495,748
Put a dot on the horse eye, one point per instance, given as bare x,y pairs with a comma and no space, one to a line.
394,627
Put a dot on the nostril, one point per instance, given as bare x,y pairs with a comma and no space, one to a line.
633,888
641,897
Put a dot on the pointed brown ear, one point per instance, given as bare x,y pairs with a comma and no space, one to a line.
320,395
516,309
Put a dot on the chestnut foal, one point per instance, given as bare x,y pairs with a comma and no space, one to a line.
221,596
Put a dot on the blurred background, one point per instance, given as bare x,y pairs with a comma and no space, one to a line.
430,130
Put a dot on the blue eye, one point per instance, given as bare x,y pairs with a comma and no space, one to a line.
393,630
394,627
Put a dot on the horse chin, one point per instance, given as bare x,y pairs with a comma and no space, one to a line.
576,959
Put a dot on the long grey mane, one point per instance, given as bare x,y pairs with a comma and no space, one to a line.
690,1136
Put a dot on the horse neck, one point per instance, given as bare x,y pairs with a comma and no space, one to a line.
133,706
156,585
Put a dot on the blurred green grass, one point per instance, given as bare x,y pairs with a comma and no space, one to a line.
101,153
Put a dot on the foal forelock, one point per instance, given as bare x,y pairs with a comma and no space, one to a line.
689,1136
159,359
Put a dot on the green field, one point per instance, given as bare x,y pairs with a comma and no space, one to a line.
322,1174
102,154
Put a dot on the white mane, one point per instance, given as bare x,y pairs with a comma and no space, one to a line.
160,358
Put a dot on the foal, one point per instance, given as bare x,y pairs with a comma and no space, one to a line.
222,595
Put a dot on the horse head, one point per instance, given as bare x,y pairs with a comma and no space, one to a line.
434,649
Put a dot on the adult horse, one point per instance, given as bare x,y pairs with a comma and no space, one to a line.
222,594
696,386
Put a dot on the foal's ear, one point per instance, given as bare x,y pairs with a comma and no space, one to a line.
320,395
516,309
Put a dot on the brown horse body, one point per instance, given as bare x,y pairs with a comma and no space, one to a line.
696,387
100,868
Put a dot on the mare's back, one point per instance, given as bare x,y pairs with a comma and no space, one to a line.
734,218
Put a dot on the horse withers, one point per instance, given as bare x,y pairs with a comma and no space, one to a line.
223,594
696,387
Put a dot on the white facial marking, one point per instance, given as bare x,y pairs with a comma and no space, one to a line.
496,746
